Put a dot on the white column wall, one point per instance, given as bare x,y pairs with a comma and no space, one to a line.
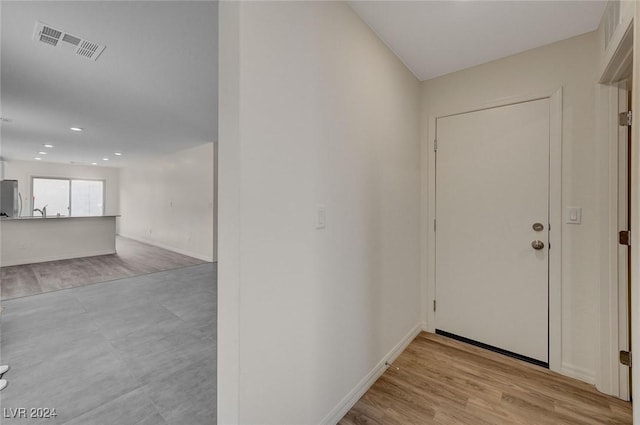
315,110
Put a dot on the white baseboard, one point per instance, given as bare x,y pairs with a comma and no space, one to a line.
168,248
579,373
363,386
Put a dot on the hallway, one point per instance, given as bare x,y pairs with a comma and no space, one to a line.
442,381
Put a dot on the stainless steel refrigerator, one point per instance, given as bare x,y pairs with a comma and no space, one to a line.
9,198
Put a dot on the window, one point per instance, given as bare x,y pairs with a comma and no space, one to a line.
87,197
52,193
68,196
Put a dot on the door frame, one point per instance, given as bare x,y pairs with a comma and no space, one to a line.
623,223
611,376
555,213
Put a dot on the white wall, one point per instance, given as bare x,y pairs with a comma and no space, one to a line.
314,110
23,171
169,202
573,65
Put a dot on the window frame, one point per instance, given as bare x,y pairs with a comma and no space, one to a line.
70,180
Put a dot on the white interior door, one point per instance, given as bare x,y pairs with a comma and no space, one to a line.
492,186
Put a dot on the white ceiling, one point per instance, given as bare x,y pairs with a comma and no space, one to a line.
434,38
152,91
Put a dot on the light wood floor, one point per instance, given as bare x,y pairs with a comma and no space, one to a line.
446,382
132,259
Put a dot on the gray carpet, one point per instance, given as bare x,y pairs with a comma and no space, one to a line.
136,351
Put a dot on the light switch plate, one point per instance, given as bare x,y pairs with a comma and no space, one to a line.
573,215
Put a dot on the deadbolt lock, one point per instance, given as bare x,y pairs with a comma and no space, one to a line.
538,227
537,245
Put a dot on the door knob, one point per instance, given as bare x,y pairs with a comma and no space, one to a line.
537,244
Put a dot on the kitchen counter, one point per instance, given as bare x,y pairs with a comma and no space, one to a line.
37,217
35,239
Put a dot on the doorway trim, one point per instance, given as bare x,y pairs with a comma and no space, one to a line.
612,377
555,213
622,251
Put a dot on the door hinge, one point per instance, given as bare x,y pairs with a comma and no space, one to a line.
434,305
624,237
625,358
625,118
434,225
435,145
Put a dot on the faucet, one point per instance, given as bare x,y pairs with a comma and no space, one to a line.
42,211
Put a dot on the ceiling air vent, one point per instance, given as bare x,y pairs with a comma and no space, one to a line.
55,37
71,39
50,36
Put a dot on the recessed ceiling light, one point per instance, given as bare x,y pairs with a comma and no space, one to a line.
47,145
118,154
105,159
37,158
94,163
42,153
76,129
